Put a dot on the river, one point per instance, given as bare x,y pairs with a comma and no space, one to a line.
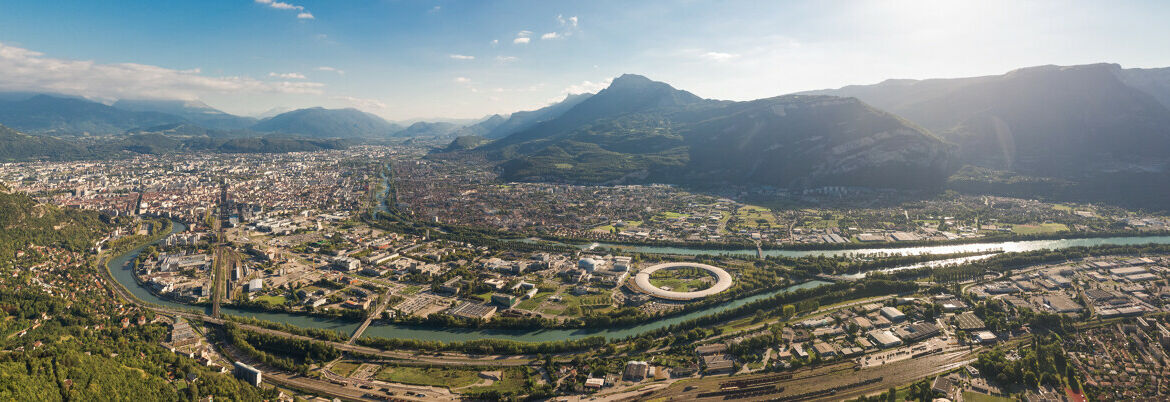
121,269
1008,246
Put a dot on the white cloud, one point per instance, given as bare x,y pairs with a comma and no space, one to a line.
331,69
568,27
279,5
462,57
462,80
506,59
434,9
495,42
586,87
288,76
362,103
27,70
718,56
522,37
570,22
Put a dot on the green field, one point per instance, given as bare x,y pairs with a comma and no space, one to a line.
594,301
753,217
437,377
978,397
410,290
1039,229
533,302
344,368
671,215
681,285
511,380
684,279
609,228
273,300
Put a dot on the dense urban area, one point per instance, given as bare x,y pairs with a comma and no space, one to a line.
343,274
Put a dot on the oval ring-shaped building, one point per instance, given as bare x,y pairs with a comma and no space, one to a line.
722,281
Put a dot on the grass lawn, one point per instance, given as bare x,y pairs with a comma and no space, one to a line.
485,296
609,228
603,229
822,223
1038,229
754,217
410,290
344,368
273,300
672,215
511,380
683,279
533,302
978,397
593,301
680,284
437,377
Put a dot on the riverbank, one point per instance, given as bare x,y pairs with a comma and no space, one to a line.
449,335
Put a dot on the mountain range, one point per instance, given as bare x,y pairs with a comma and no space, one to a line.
642,130
1047,120
1098,123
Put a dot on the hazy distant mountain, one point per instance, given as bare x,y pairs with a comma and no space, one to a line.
66,115
482,127
643,130
17,146
195,130
273,112
194,111
1048,120
499,127
426,129
328,123
1154,81
465,142
156,143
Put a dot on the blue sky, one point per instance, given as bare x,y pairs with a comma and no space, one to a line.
464,59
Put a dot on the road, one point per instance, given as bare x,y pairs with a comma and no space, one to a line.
383,302
408,358
829,376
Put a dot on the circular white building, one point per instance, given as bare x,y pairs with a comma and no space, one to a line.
722,281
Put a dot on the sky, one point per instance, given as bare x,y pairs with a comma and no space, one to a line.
427,59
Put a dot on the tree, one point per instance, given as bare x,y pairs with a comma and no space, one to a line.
789,311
